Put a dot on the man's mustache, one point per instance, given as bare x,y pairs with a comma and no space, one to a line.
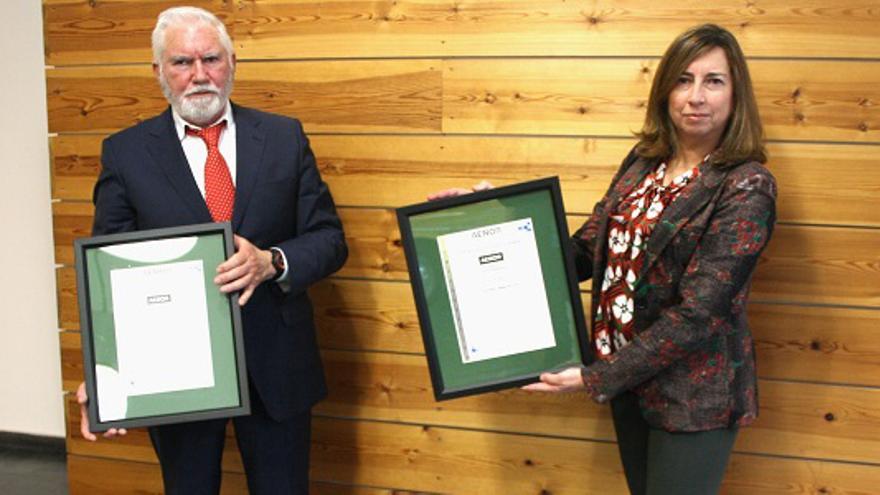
204,88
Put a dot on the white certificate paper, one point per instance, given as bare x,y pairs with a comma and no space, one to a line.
496,289
160,314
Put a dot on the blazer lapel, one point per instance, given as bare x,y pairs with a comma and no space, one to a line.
168,154
250,142
691,200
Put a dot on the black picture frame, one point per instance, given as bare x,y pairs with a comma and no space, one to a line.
96,260
424,223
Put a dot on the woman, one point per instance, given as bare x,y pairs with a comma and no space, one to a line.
671,249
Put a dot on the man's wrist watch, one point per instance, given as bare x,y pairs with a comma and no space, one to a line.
277,263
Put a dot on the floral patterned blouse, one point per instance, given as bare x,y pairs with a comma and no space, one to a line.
629,227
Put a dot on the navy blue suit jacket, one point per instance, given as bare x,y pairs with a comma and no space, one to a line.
280,200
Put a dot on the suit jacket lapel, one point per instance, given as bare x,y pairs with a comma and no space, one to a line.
168,154
250,142
691,200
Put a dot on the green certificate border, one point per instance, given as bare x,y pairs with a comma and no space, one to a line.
422,224
229,394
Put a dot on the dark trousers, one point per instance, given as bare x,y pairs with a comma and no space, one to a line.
275,454
657,462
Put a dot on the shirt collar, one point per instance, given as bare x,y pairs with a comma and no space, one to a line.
180,125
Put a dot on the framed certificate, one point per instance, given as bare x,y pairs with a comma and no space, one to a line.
495,288
161,344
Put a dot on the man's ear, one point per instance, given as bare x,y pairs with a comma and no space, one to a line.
155,69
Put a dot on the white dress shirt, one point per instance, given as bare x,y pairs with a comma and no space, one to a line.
196,151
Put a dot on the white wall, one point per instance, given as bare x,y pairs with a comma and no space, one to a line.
30,377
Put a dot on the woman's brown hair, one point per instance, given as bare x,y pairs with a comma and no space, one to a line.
743,138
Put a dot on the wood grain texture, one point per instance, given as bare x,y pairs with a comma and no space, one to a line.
820,265
78,31
815,421
68,307
405,97
818,183
357,96
88,476
803,100
70,220
830,265
816,265
796,419
797,99
424,458
92,31
825,345
366,315
819,344
749,475
103,476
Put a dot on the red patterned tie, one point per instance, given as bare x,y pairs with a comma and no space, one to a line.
219,191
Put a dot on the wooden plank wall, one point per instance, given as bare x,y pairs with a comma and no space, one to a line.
409,96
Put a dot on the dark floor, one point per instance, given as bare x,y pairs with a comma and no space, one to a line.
32,465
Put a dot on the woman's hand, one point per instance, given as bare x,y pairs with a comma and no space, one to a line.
459,191
567,380
83,399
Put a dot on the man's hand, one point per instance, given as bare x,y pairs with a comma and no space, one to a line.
244,270
567,380
458,191
83,399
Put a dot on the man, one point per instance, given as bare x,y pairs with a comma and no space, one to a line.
190,165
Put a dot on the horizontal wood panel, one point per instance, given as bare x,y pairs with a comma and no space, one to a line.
421,458
88,476
88,32
803,264
803,100
819,344
820,265
818,183
68,307
81,32
387,96
796,419
105,476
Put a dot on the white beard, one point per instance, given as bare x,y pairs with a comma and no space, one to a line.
200,110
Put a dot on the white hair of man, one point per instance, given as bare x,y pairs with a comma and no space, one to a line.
202,110
187,16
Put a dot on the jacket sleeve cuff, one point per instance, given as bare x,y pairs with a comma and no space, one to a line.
592,383
283,280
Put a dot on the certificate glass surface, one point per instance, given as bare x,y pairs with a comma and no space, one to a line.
161,344
494,286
